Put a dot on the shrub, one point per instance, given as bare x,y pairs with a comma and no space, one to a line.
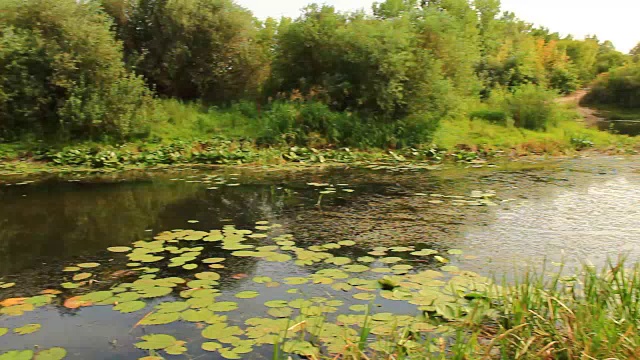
531,107
620,87
192,49
63,74
494,116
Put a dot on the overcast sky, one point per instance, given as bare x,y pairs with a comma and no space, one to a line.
615,20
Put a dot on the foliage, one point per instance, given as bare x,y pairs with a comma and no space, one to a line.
620,87
355,64
192,49
63,74
532,107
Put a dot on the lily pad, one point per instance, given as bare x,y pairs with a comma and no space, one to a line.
119,249
17,355
295,280
211,346
247,294
88,265
130,306
82,276
27,329
56,353
3,331
156,342
160,319
223,306
364,296
280,312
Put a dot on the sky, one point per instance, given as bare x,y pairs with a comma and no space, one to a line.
615,20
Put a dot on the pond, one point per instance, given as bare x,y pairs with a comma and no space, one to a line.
225,263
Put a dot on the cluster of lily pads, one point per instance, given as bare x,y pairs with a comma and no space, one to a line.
305,325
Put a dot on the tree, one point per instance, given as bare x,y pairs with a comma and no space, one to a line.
193,49
63,73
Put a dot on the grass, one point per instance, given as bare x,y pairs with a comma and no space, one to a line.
558,139
591,315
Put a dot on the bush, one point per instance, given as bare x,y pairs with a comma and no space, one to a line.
192,49
314,124
531,107
375,69
63,74
494,116
620,87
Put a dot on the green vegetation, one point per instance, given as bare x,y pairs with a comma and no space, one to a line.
148,74
619,88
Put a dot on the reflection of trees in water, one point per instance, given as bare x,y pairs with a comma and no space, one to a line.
64,220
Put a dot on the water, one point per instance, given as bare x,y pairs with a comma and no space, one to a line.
572,210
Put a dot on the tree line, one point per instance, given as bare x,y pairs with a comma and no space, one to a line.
83,69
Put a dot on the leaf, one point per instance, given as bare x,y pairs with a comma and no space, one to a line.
12,301
211,346
82,276
89,265
276,304
7,285
247,294
280,312
97,296
213,260
171,307
76,302
119,249
17,355
223,306
364,296
346,242
130,306
56,353
295,280
208,275
27,329
156,342
220,331
262,279
201,315
160,318
3,331
190,266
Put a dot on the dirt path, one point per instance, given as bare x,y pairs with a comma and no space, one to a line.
590,116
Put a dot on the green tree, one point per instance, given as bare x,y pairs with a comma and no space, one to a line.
62,73
193,49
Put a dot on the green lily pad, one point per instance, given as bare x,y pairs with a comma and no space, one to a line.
190,266
156,342
130,306
276,304
71,269
262,279
359,308
223,306
70,285
295,280
208,275
119,249
56,353
7,285
27,329
338,261
346,243
96,296
89,265
220,331
213,260
171,307
247,294
364,296
211,346
356,268
454,252
280,312
3,331
390,260
17,355
200,315
160,319
82,276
